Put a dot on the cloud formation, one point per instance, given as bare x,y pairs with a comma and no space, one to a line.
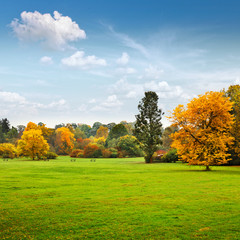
54,32
78,60
124,59
46,60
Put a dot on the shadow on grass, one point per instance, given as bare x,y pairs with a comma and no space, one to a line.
215,171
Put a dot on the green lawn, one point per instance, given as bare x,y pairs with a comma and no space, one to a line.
117,199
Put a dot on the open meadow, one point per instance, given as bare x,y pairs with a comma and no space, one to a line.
117,199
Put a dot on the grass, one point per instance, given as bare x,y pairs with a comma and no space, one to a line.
117,199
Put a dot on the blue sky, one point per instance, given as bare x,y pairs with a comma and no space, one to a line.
87,61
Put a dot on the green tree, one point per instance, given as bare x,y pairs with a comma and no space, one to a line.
117,131
233,93
130,145
148,126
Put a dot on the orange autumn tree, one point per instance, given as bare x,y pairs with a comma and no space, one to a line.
64,142
32,144
204,130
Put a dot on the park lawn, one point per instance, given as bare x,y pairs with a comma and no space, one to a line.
117,199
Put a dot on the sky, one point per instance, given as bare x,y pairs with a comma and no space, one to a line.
85,61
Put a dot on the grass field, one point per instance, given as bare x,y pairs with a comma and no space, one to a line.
117,199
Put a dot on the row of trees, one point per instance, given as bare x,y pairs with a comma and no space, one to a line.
205,132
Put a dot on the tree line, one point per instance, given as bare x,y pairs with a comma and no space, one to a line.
205,132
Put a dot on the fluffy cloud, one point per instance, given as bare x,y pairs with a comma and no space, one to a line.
11,97
13,103
55,32
78,60
112,102
162,88
46,60
124,59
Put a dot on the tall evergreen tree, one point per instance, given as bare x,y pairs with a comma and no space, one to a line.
148,126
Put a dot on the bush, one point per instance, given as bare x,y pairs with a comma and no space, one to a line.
170,156
114,152
106,153
51,155
75,153
92,151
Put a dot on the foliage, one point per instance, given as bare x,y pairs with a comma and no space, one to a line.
81,143
233,93
92,150
8,150
170,156
32,144
114,152
12,135
148,125
51,155
113,143
102,132
166,137
5,125
78,133
117,131
86,129
106,153
100,141
76,153
64,142
204,130
94,128
130,145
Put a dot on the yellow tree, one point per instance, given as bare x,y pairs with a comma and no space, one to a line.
204,130
64,141
8,150
32,144
102,132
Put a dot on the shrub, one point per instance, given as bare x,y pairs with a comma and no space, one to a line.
75,153
129,146
114,152
92,151
51,155
170,156
106,153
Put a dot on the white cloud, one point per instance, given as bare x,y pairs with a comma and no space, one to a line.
162,88
126,71
12,103
11,97
124,59
112,102
46,60
153,72
55,32
78,60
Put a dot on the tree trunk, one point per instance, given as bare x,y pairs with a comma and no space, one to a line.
208,168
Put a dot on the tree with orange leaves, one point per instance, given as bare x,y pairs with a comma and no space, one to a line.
204,130
64,142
